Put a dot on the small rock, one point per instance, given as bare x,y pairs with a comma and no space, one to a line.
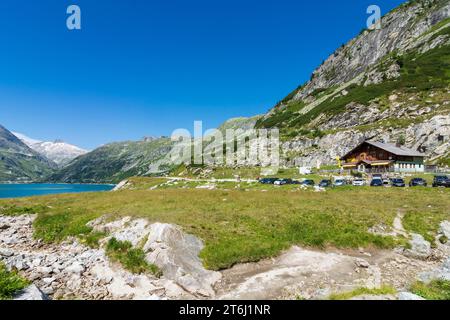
362,263
48,281
76,268
6,253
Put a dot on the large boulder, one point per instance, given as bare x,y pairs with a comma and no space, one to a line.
177,255
420,248
444,229
31,293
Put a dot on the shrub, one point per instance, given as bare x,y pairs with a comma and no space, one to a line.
132,259
10,283
435,290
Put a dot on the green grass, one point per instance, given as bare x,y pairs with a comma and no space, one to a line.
132,259
243,226
92,239
13,210
10,283
384,290
435,290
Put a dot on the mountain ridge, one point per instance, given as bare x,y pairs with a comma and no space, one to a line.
57,151
19,163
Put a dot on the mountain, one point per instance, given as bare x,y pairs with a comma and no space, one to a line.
58,151
390,84
114,162
18,162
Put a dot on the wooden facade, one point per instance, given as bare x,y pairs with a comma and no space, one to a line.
381,157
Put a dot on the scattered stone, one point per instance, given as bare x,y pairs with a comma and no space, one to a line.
361,263
76,268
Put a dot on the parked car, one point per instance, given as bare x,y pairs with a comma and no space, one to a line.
359,182
283,182
441,181
386,182
309,183
418,182
339,182
296,182
268,180
399,183
325,184
376,182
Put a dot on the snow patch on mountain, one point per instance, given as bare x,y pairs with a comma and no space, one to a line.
58,151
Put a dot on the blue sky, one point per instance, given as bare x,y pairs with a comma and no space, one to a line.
147,67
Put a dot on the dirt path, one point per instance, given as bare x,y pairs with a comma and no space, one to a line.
398,224
310,274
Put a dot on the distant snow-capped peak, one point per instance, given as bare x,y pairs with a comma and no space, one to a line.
58,151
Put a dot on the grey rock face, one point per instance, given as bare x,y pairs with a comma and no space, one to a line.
31,293
440,273
177,254
444,229
409,296
400,30
324,150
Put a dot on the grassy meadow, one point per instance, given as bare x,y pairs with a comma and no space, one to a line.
242,225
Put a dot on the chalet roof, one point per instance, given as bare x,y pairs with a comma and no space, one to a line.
399,151
392,148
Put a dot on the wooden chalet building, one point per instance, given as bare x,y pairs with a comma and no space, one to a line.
371,156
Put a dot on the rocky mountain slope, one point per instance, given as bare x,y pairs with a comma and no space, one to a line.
390,84
58,151
19,163
115,162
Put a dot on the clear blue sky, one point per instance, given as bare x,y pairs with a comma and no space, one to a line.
146,67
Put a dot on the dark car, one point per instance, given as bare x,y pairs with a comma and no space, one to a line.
309,183
268,180
441,181
418,182
376,182
282,182
399,183
325,184
296,182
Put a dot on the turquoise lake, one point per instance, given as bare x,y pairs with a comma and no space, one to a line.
28,190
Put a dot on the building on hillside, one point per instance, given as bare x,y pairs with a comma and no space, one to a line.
371,156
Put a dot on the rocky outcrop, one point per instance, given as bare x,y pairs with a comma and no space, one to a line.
169,248
401,31
325,150
71,270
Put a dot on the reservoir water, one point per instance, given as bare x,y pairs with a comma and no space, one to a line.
28,190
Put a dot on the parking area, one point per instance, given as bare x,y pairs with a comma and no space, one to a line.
374,180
